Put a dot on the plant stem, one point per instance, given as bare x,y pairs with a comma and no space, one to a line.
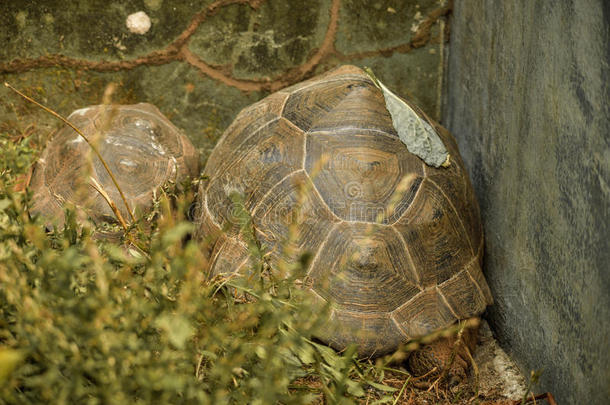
401,390
98,187
56,115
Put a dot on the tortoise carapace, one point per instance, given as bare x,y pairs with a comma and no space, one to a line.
142,148
395,244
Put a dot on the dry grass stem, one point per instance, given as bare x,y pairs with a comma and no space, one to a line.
447,367
78,131
98,187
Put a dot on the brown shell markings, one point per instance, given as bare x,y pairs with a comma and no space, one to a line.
142,148
396,245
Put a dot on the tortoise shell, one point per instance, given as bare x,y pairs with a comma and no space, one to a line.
142,148
396,245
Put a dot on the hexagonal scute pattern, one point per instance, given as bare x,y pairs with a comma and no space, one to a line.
364,268
361,173
293,201
140,146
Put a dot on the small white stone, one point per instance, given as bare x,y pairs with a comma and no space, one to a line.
138,23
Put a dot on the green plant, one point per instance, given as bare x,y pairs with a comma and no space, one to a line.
84,320
87,320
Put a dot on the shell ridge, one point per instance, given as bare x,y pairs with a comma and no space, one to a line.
272,188
446,302
409,258
476,284
210,215
291,124
348,129
320,248
315,189
286,97
397,324
457,214
407,209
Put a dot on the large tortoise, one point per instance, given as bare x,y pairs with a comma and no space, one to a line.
396,245
142,148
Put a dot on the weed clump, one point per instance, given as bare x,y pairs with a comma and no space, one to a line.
91,319
88,320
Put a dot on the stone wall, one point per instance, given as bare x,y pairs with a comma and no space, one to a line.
201,62
528,100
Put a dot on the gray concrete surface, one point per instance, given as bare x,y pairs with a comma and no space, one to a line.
527,98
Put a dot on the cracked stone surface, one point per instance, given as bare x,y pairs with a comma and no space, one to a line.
498,374
201,62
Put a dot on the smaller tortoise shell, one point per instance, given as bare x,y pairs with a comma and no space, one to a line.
396,245
142,148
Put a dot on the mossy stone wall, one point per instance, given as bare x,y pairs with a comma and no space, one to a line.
202,61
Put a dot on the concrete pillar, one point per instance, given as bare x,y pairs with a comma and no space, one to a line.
528,99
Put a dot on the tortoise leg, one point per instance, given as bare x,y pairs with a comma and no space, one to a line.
439,353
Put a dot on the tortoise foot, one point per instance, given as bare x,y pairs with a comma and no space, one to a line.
445,357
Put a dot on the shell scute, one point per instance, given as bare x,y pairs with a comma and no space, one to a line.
374,333
360,173
435,236
424,313
247,123
267,156
363,268
292,202
395,244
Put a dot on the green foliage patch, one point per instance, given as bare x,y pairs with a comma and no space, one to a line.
85,320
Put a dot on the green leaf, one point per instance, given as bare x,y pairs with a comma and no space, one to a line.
9,360
354,388
292,366
382,387
413,130
383,400
178,329
304,353
329,355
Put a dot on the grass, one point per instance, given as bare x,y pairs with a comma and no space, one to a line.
85,320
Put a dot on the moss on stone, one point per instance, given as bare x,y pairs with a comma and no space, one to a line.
92,29
242,42
379,24
262,42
